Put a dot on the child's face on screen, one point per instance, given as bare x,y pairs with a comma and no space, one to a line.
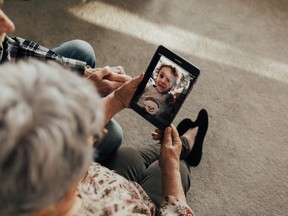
165,80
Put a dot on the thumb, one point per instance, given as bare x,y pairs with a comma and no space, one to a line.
104,72
174,132
136,80
167,136
175,136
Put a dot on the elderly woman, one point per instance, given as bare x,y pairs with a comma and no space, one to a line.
49,120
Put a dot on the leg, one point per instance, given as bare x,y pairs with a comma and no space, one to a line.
77,49
111,142
152,184
136,165
140,165
131,162
127,162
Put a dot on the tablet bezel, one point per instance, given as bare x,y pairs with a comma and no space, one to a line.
177,60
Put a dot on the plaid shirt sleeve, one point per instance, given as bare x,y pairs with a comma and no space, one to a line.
21,49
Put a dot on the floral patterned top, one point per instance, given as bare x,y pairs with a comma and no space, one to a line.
104,192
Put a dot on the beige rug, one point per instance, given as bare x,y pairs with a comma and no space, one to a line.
240,47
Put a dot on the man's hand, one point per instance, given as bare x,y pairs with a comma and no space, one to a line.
107,79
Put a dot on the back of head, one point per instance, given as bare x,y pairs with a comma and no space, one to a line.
46,116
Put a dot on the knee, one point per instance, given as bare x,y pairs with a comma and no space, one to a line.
185,176
115,133
111,142
81,45
85,51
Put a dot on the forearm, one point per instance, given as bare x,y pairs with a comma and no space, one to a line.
29,49
171,184
120,98
72,64
111,106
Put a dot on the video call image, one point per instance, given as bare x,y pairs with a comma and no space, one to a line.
165,90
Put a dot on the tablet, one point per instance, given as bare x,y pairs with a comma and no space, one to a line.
167,82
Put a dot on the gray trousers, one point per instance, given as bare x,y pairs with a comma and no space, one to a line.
140,164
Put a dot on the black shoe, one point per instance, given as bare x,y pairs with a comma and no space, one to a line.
194,158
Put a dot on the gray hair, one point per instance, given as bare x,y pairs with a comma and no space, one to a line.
46,116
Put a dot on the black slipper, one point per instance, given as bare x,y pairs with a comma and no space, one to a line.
185,125
194,158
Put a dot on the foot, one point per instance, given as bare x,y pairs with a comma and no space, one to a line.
186,125
190,135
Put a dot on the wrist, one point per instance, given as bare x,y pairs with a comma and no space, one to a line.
172,185
170,171
112,104
117,101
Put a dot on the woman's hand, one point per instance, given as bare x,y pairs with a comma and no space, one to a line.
107,79
125,92
169,163
170,150
158,135
120,98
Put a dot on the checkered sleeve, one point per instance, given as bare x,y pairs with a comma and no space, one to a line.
29,49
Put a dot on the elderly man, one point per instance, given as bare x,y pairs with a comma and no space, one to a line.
76,55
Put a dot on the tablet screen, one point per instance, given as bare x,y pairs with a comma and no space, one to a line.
167,82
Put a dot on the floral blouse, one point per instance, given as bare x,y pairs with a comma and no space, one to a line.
104,192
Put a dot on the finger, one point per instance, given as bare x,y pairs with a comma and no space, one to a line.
154,133
88,72
156,136
159,131
104,72
118,70
95,74
167,137
136,81
175,134
109,86
118,77
114,84
92,76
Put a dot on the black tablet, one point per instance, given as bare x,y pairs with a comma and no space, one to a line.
167,81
